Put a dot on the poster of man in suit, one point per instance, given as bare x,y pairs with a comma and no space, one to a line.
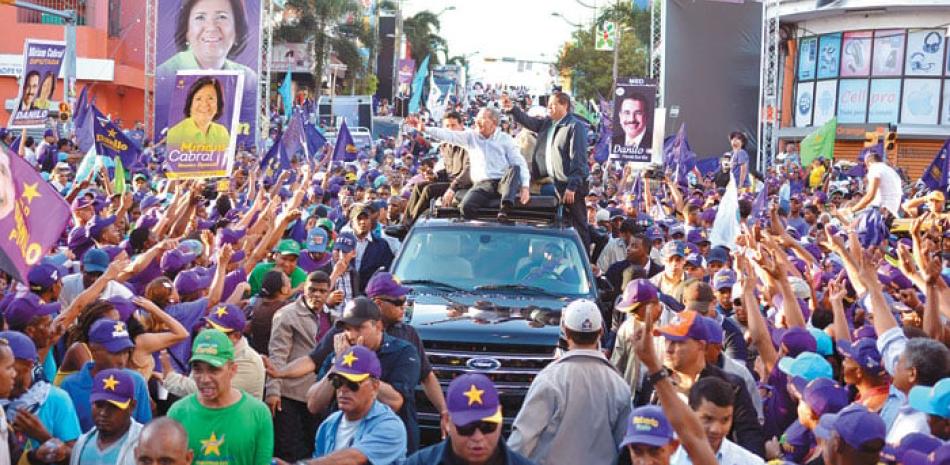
632,139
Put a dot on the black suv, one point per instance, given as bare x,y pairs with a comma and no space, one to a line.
487,298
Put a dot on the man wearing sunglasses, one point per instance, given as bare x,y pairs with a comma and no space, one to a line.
472,428
362,325
364,430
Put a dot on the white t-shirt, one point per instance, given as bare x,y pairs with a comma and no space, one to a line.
729,453
345,432
889,189
72,287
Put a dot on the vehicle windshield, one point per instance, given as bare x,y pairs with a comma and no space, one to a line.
515,260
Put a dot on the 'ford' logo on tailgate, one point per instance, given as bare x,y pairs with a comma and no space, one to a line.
485,364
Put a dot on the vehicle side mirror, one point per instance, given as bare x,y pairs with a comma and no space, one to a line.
397,231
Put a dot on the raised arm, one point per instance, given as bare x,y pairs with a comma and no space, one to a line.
147,343
529,122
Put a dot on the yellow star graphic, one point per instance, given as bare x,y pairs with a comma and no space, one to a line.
30,191
212,445
112,133
221,311
474,394
349,358
119,326
110,383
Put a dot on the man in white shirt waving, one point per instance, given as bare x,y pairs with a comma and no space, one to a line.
497,169
884,186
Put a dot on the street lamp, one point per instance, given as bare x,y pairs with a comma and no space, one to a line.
571,23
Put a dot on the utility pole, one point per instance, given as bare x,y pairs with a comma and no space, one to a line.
69,60
619,30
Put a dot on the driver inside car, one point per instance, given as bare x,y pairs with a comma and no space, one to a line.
553,267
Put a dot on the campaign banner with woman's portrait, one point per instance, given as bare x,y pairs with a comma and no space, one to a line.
208,35
41,62
204,115
632,138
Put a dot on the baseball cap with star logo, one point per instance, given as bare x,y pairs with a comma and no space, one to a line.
227,318
114,386
357,363
472,397
110,334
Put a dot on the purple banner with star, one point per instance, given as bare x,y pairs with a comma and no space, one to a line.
205,116
32,216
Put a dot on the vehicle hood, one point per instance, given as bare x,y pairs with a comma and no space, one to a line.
499,319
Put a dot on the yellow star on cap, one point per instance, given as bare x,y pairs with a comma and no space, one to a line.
212,445
30,191
474,394
221,311
349,358
119,326
110,383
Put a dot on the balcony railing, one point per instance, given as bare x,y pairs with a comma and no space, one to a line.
80,6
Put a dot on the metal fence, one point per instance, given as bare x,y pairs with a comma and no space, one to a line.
82,8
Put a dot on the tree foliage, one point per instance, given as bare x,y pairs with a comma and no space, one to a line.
591,69
421,31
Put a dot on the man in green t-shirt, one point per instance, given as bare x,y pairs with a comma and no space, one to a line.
285,259
225,425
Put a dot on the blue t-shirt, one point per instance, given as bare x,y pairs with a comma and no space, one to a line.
91,455
189,314
739,159
79,387
380,435
58,415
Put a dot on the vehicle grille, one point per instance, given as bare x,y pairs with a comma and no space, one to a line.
518,366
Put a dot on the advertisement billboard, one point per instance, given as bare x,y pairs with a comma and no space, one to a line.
292,57
632,138
829,55
406,70
204,118
41,62
208,35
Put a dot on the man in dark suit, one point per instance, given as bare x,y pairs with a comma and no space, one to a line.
633,117
561,154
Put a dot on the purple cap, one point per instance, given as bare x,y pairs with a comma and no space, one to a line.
49,133
648,425
859,428
814,250
124,306
713,330
191,281
697,236
708,215
724,279
115,386
798,340
111,334
718,254
864,352
696,260
385,284
81,202
357,363
229,236
99,224
940,456
637,291
174,260
916,441
22,346
43,276
796,442
824,395
227,318
238,256
472,397
25,309
673,248
894,276
685,325
149,202
345,242
146,222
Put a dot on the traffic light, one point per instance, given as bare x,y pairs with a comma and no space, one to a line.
64,112
890,143
870,139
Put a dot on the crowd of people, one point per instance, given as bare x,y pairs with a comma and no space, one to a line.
254,321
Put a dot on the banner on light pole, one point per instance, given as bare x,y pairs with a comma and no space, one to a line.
606,38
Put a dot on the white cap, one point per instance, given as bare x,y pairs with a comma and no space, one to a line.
582,316
602,215
800,288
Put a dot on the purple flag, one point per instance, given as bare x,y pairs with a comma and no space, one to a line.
315,140
32,216
680,158
112,142
935,176
293,139
345,149
758,205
